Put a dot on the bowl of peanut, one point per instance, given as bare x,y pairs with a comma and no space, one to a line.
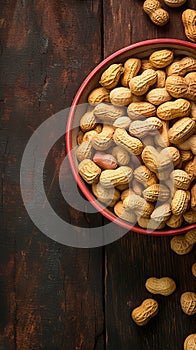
131,137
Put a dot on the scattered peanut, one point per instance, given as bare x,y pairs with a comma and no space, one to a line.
174,3
164,286
190,342
188,303
180,245
193,269
157,15
189,21
143,313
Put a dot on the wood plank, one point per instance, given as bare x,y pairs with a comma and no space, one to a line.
125,23
52,295
134,258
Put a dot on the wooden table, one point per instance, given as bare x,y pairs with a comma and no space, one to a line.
55,297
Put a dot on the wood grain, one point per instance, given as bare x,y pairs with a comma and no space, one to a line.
51,295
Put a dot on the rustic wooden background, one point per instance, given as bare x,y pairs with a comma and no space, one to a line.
54,297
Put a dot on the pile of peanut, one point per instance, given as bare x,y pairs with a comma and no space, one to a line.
160,16
137,140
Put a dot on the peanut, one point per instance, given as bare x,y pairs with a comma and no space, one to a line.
98,95
173,109
141,128
158,96
161,58
143,175
88,121
190,236
138,205
80,137
181,130
122,122
193,110
89,171
175,221
189,144
180,87
157,15
189,21
89,135
122,213
180,202
103,140
131,68
140,84
161,77
110,77
119,176
190,342
188,303
161,213
131,144
143,313
104,160
193,197
84,151
174,3
156,192
121,155
190,216
164,286
108,113
189,168
150,224
108,196
182,67
137,110
181,179
186,156
121,96
180,245
193,269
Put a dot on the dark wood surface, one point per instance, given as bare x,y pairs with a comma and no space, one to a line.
54,297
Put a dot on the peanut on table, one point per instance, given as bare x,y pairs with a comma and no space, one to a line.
137,140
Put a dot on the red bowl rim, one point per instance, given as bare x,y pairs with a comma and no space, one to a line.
109,215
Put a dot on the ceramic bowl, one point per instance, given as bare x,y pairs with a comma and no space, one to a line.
141,50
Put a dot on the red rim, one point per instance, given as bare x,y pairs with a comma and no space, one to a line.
69,146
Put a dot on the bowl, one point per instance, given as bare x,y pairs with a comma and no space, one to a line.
140,50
